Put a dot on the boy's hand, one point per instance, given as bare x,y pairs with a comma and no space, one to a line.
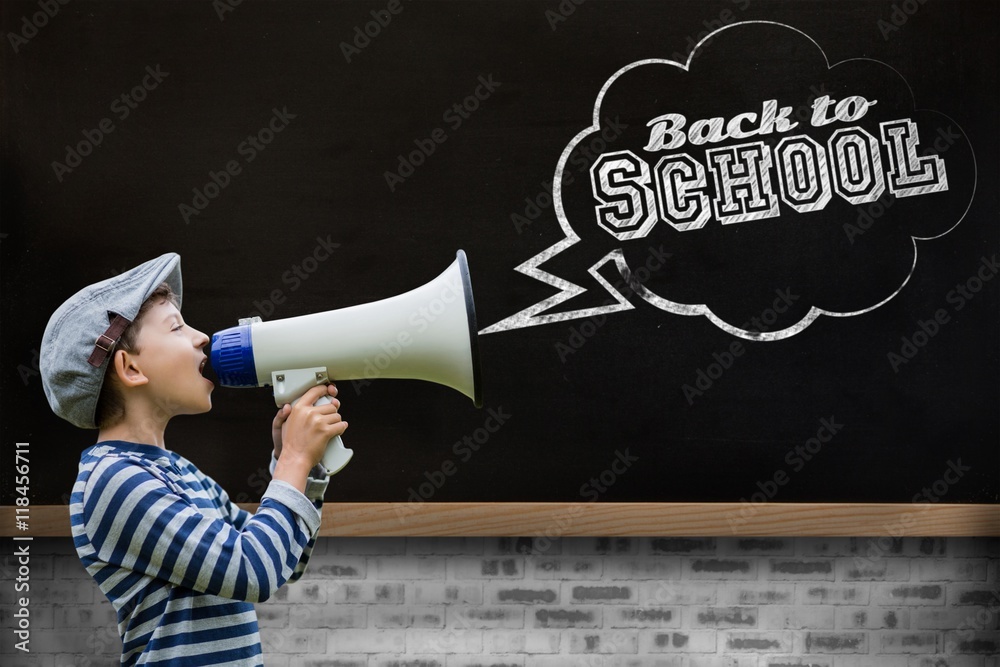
303,431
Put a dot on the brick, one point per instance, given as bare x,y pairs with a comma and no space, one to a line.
326,616
269,616
273,660
834,594
406,661
723,617
577,617
771,617
926,546
642,661
412,567
339,661
800,569
684,642
756,642
682,545
903,594
487,568
826,546
441,642
601,546
55,567
974,547
561,660
523,546
364,546
796,661
286,641
754,594
485,661
368,593
973,641
568,568
648,567
503,592
667,660
483,618
719,568
610,642
396,617
909,642
973,594
71,617
870,661
337,566
836,642
757,546
513,641
720,661
87,642
955,618
302,592
429,546
44,616
883,569
602,594
643,617
946,661
669,593
873,618
873,548
64,592
439,593
966,569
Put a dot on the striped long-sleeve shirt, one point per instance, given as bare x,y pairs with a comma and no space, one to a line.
182,564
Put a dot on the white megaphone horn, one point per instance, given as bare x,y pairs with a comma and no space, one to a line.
428,333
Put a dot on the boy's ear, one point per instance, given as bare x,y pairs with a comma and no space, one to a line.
127,369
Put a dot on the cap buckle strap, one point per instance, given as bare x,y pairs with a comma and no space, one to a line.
112,334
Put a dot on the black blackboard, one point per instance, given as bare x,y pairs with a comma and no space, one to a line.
322,213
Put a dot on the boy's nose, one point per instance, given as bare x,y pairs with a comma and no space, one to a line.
201,339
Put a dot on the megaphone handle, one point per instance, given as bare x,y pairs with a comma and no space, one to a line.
336,455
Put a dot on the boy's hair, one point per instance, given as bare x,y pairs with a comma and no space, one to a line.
110,404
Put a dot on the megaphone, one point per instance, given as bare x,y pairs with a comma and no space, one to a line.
428,333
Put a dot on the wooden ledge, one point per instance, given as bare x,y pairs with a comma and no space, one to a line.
555,520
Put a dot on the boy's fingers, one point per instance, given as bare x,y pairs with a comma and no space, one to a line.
328,408
314,394
333,389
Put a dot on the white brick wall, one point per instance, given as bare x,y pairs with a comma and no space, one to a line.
602,602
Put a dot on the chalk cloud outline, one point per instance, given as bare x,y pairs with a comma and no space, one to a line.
534,315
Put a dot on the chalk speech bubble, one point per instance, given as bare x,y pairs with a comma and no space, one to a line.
754,169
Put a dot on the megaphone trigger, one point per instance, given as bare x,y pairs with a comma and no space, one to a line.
288,388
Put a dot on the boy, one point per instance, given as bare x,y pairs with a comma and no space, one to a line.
181,564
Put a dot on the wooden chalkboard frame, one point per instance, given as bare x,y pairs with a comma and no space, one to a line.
553,520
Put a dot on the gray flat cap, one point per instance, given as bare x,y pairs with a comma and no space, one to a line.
80,335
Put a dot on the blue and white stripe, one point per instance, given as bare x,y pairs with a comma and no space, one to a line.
182,564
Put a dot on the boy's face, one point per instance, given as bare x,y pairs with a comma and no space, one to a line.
172,357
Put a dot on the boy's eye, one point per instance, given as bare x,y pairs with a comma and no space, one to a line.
178,327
